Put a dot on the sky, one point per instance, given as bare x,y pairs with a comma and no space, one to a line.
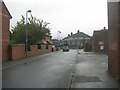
65,16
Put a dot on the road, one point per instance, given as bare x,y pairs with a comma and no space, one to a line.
47,71
73,69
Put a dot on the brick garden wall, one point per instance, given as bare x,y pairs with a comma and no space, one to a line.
34,50
113,56
18,51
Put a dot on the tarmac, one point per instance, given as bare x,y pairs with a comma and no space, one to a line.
90,71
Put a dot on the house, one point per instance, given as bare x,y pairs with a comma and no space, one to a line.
114,38
6,16
76,40
55,42
100,40
47,40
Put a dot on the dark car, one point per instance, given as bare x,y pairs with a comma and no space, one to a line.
65,48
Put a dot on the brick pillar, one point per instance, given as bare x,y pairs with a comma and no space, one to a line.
18,51
34,50
0,30
119,42
113,14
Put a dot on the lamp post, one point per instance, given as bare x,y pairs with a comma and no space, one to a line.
58,39
57,34
26,43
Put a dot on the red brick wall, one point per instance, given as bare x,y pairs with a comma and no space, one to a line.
113,38
95,44
49,48
34,50
54,49
101,36
44,50
18,51
0,30
119,42
5,37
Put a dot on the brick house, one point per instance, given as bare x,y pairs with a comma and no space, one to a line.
6,16
76,40
55,42
100,40
47,40
114,38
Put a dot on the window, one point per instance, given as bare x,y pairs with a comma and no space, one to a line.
101,47
101,42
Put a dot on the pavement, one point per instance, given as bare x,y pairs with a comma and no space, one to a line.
91,71
10,63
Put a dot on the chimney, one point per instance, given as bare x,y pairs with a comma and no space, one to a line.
78,31
68,34
71,33
104,28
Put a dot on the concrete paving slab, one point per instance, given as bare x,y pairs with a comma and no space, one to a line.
10,63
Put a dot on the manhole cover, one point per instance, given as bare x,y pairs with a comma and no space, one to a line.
83,79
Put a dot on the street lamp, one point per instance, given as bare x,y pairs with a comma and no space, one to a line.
26,43
58,43
57,34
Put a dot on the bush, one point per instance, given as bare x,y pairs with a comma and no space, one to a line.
87,47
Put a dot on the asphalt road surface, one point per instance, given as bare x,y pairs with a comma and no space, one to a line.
47,71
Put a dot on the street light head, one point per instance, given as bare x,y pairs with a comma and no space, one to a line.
29,11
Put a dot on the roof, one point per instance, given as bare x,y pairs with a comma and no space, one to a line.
80,34
42,42
98,32
48,34
54,39
5,10
49,42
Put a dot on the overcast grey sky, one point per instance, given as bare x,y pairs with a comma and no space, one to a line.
64,15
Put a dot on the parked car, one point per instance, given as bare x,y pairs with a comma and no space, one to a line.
65,48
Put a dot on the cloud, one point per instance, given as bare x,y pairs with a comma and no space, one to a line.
64,15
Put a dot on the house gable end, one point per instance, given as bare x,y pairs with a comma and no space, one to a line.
5,11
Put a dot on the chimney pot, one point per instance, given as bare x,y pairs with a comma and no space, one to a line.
104,28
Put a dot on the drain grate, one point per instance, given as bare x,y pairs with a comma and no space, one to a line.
83,79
